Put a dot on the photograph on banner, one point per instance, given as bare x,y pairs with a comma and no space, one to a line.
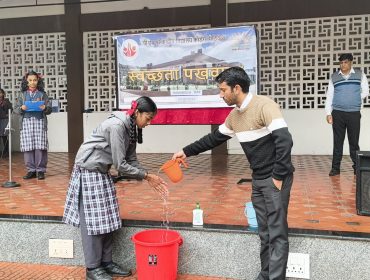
178,69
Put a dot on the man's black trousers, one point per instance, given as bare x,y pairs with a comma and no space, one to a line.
342,122
271,206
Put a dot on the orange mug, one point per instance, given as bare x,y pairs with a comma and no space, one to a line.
173,170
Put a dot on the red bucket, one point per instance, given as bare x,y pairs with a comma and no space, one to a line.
157,252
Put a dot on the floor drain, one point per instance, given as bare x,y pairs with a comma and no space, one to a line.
353,223
313,221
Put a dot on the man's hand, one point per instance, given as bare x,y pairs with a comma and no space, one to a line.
329,119
277,183
179,154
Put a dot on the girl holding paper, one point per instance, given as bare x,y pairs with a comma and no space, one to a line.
33,105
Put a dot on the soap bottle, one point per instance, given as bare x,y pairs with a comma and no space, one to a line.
197,216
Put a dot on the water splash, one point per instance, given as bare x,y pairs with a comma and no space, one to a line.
165,216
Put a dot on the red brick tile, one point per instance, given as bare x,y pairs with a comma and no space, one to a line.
210,180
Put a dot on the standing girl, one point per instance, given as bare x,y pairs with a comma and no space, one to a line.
5,105
91,198
33,124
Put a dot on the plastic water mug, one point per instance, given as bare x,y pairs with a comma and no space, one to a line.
173,170
250,213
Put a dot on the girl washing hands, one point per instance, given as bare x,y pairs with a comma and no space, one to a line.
91,199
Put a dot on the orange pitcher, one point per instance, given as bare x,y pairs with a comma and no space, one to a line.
173,170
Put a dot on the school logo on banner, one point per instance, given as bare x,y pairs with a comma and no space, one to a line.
130,49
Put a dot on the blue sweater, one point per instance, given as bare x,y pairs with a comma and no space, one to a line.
347,92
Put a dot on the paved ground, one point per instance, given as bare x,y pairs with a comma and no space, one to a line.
318,202
18,271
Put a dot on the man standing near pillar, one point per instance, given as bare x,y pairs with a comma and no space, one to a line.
347,88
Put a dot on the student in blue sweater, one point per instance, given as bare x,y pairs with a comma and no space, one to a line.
346,90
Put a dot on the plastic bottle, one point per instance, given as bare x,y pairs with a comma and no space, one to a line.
197,216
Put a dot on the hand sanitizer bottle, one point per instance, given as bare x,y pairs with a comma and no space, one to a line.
197,216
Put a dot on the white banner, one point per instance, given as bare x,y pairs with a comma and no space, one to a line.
177,69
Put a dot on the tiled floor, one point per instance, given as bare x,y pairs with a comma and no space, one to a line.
318,202
17,271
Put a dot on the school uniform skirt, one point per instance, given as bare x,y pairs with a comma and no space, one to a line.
99,200
33,135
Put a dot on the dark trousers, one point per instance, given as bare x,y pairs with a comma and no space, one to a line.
271,206
343,121
97,248
5,150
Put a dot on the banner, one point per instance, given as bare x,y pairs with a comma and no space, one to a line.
177,69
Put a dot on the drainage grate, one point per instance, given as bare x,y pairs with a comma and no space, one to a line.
353,223
313,221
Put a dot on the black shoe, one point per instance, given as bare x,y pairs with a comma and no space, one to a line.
97,274
29,175
40,175
115,270
334,172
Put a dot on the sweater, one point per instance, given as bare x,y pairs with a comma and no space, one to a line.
109,144
263,135
5,105
347,92
22,97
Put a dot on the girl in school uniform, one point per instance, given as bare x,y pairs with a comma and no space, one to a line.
91,201
33,125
